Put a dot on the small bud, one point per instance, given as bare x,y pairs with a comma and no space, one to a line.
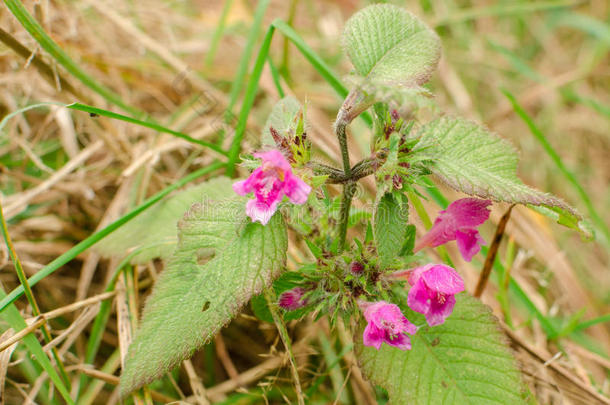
356,268
395,116
292,299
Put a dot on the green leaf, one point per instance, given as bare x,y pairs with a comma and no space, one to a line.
463,361
221,260
390,46
390,227
153,234
282,118
473,160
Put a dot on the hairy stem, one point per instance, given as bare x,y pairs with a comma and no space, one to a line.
281,328
346,202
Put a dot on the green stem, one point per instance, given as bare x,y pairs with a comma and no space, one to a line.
346,202
281,328
30,296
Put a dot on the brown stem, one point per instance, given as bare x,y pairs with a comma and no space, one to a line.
491,254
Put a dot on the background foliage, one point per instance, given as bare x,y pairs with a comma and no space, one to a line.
66,174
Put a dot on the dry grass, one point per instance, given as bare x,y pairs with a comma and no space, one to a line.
65,174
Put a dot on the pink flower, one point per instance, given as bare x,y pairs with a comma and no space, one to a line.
386,324
432,294
458,222
292,299
269,183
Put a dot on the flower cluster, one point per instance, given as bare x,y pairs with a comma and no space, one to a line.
432,293
433,286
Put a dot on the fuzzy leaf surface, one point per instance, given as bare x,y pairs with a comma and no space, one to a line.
283,118
473,160
221,261
463,361
390,227
390,46
153,233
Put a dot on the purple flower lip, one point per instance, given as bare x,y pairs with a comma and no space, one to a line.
269,183
386,324
458,222
433,291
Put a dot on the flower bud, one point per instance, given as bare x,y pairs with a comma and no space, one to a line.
356,268
292,299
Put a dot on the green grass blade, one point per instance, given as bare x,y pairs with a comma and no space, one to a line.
38,33
220,28
316,61
15,320
548,148
275,75
145,123
30,296
242,68
504,9
7,117
591,322
248,101
99,235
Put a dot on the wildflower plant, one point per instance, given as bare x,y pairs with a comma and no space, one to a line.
417,333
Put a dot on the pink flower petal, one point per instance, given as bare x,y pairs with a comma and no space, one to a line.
259,211
275,158
373,336
296,189
386,323
439,311
443,279
400,341
468,212
469,242
418,298
433,291
243,187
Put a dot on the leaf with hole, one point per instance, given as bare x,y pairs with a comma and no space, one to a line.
473,160
463,361
220,262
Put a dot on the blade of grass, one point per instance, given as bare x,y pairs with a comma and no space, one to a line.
7,117
145,123
275,75
548,148
220,28
504,9
15,320
316,61
591,322
99,235
38,33
242,68
246,105
252,85
30,296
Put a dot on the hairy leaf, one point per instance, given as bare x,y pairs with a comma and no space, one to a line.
390,227
153,233
221,260
473,160
463,361
390,46
283,118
